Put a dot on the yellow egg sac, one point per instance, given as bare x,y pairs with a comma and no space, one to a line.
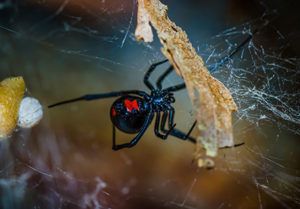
11,93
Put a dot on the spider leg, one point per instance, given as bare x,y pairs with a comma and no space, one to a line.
191,129
148,73
226,58
183,136
89,97
156,128
235,145
175,132
215,66
176,87
136,139
163,76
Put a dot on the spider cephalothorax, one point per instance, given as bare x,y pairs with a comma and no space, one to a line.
161,99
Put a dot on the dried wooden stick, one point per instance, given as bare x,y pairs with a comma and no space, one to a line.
212,101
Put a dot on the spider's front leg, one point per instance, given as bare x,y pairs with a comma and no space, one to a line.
89,97
148,73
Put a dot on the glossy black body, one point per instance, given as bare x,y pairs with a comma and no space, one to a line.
126,120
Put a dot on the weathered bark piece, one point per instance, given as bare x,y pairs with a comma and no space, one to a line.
143,30
212,101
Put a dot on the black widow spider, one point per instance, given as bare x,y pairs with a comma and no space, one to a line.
134,111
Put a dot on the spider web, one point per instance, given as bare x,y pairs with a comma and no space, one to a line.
263,81
84,46
265,85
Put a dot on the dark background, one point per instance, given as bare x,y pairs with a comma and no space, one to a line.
65,49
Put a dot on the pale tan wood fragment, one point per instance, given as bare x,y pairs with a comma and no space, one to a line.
143,29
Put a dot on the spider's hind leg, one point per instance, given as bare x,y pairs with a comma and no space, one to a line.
175,132
156,128
179,134
163,76
136,139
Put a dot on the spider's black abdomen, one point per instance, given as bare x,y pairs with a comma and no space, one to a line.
128,114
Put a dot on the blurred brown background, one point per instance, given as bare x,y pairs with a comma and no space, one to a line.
65,49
